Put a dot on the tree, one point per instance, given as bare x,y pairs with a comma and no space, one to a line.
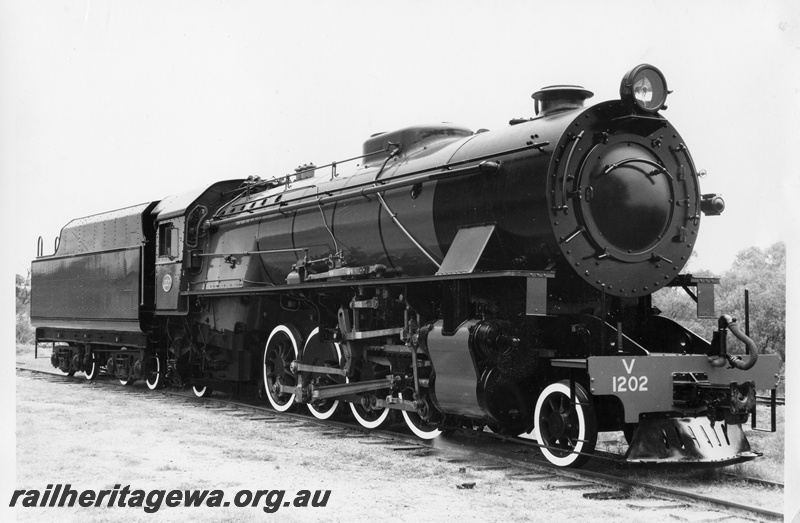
763,273
25,332
23,289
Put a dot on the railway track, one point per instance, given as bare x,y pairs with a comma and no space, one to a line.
477,451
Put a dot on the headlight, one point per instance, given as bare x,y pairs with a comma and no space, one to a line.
644,87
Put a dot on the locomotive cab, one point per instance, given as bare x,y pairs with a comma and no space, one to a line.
178,222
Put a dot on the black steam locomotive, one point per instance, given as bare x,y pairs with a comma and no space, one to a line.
494,279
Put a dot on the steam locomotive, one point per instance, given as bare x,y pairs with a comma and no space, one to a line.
498,279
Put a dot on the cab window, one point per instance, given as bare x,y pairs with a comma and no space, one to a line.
167,240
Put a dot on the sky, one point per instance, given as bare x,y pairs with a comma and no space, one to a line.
118,103
107,104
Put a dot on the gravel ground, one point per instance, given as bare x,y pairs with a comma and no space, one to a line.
93,438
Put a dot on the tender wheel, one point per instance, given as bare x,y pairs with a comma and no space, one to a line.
125,373
91,368
129,380
565,429
328,355
62,362
279,353
202,392
122,367
61,359
155,373
421,428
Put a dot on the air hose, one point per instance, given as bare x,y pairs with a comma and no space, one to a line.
726,323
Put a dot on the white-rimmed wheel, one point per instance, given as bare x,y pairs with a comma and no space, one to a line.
91,368
280,351
418,425
202,392
370,419
155,372
121,366
566,430
125,373
315,352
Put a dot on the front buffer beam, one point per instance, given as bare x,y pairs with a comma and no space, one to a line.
648,384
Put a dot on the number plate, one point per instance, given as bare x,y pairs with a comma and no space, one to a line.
629,382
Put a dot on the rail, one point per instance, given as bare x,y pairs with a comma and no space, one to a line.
475,447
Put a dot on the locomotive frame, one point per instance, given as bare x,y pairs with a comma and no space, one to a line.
496,279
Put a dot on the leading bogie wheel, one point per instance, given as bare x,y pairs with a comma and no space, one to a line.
566,430
280,351
315,352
